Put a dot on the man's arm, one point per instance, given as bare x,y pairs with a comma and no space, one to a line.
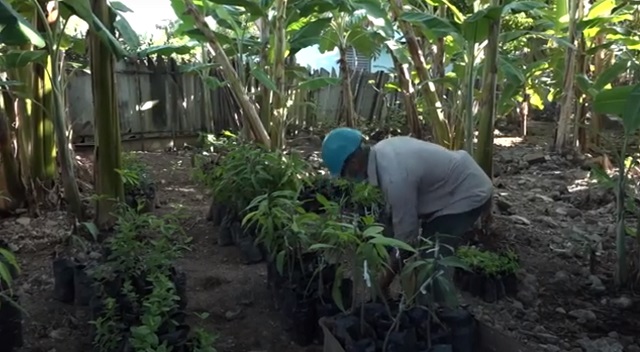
402,196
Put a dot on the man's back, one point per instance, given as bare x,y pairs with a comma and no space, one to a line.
447,182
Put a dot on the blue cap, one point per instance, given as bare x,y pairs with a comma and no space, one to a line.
337,146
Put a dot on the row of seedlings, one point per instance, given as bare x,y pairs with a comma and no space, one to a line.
128,278
244,172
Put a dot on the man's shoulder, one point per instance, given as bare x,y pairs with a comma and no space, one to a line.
405,143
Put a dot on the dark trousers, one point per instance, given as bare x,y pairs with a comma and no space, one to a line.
449,230
452,227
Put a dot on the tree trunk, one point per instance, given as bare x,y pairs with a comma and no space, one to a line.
347,110
108,152
484,154
65,152
278,121
408,98
15,187
599,65
434,110
566,104
248,108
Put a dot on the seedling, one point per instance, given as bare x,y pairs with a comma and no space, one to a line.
489,263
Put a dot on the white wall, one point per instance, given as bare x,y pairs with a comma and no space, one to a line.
315,60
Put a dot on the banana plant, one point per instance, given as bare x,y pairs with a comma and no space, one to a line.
623,102
282,29
50,76
354,29
465,35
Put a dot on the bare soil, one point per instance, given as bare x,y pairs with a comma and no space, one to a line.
546,210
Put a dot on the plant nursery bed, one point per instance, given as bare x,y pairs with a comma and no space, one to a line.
303,295
491,276
371,327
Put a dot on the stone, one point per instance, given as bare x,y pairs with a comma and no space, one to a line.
595,284
603,344
520,220
583,315
25,221
622,302
535,158
633,348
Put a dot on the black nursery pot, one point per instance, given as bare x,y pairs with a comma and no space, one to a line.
244,240
179,279
223,231
462,325
83,286
63,277
301,318
10,324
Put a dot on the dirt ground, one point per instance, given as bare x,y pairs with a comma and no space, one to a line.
545,210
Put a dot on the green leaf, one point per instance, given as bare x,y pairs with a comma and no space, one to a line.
119,6
601,8
438,26
262,76
126,31
453,262
320,246
213,82
253,7
82,9
392,242
308,35
15,29
336,290
585,85
319,83
631,111
612,101
522,6
475,28
9,258
21,58
511,72
611,74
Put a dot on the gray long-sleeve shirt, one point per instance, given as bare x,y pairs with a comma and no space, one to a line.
421,179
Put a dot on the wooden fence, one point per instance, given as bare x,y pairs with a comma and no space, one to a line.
156,99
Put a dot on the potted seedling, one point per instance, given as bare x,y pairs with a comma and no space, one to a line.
285,230
367,324
139,188
492,276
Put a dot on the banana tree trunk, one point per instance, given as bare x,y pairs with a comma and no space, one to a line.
599,65
249,110
434,110
484,154
580,137
278,123
108,153
347,108
566,104
408,98
265,94
15,187
43,153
